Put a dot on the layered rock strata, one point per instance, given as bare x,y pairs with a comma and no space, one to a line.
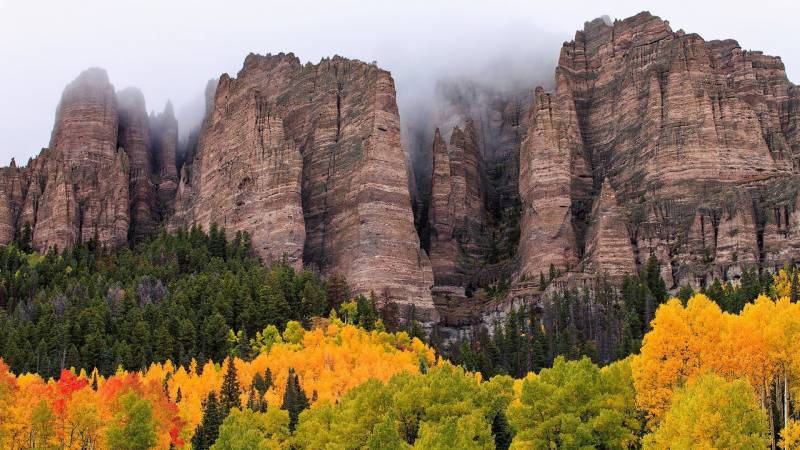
699,138
307,158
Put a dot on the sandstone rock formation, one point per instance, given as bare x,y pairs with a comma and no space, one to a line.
308,160
85,190
456,209
97,180
134,138
474,249
699,138
547,160
165,149
608,246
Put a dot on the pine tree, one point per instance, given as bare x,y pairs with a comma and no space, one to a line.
230,393
793,290
652,276
294,399
501,431
207,432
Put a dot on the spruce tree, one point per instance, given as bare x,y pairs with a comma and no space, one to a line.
294,399
230,394
207,432
501,431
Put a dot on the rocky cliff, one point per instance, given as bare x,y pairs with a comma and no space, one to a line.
97,178
307,158
690,147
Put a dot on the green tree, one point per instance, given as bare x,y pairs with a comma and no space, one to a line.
133,427
249,430
294,399
230,393
652,277
577,405
206,433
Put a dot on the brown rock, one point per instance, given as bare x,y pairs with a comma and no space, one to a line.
85,193
338,122
134,138
608,246
546,162
165,132
456,209
699,137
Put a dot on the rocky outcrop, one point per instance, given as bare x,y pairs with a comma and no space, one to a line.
474,251
165,149
85,190
608,246
456,210
11,199
309,157
699,138
134,138
546,164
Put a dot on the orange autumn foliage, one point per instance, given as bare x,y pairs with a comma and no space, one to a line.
70,413
329,361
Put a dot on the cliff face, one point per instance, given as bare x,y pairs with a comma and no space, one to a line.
652,141
98,179
468,194
456,209
698,140
307,158
83,177
134,137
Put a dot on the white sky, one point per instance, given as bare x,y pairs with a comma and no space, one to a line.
170,48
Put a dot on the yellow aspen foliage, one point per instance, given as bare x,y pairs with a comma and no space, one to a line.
790,436
760,345
683,343
712,413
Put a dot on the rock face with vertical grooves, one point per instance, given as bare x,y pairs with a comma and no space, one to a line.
134,138
12,181
82,190
608,247
307,158
476,250
165,148
546,164
699,139
456,209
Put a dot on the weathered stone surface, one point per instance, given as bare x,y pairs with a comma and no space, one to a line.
165,148
338,122
456,209
546,163
478,254
11,199
134,138
608,246
699,138
85,193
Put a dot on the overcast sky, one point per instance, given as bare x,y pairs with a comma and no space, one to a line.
170,49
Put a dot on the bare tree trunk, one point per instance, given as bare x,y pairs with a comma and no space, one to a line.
785,397
772,420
